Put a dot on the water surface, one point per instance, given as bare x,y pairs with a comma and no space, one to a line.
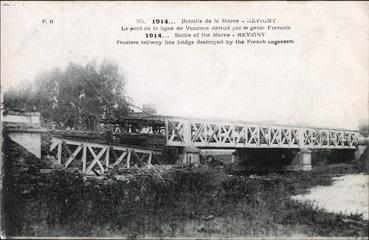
348,194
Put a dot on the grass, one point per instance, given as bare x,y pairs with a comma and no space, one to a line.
197,202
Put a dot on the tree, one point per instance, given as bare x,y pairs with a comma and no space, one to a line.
76,98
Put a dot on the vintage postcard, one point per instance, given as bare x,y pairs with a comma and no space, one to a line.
199,120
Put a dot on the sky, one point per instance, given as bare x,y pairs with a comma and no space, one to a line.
320,80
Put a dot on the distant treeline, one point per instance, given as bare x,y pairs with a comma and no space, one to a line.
75,98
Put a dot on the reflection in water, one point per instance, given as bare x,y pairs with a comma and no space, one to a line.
348,194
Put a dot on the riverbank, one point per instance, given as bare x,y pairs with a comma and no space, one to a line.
189,202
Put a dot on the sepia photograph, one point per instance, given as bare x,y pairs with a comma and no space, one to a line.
184,120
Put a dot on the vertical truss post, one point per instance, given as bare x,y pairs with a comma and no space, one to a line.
166,130
246,135
232,135
301,137
342,138
187,132
60,146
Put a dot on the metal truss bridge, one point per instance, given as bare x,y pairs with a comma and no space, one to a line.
228,134
210,133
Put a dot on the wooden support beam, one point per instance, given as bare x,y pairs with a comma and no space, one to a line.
67,148
59,153
140,159
54,143
129,158
96,159
114,154
121,157
149,159
73,155
107,156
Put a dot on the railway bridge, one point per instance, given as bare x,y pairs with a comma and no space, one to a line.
219,134
238,135
193,137
205,133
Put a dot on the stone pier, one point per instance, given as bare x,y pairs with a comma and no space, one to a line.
301,161
361,152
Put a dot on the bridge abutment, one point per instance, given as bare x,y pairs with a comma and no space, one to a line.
24,129
29,140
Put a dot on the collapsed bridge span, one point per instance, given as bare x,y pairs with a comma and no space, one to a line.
94,157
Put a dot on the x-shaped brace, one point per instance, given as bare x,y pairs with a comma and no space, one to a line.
198,131
176,130
276,135
213,133
227,133
254,135
73,155
96,158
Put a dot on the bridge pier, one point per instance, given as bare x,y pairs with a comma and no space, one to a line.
362,149
190,155
301,161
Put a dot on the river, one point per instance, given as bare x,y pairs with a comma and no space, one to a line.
348,194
